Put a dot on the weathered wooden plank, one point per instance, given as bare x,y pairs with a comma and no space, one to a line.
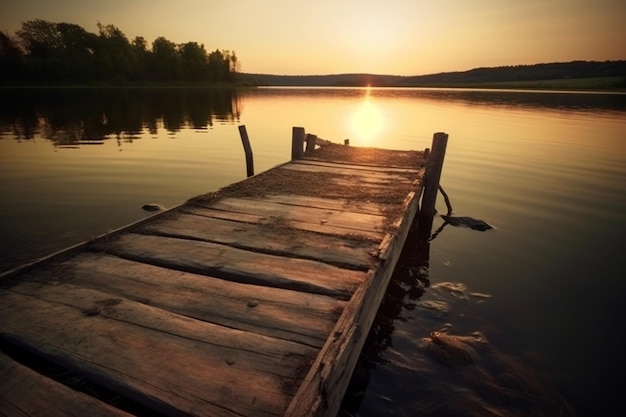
238,265
276,238
363,175
341,204
357,167
371,185
290,315
321,228
353,221
25,393
173,364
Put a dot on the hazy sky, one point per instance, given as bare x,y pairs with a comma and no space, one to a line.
403,37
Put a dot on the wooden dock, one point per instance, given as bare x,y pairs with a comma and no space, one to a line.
251,301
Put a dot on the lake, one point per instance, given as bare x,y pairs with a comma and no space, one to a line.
543,289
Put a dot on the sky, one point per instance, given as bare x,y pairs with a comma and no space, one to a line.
399,37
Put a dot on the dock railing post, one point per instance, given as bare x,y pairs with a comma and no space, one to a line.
247,150
297,142
311,141
434,165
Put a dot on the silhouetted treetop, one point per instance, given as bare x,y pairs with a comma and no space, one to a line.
44,52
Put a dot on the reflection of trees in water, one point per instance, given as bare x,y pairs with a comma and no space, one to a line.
80,116
550,100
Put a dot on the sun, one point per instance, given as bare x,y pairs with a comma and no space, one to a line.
367,121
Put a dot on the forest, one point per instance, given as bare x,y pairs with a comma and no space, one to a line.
48,53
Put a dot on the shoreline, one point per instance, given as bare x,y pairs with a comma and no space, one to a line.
592,85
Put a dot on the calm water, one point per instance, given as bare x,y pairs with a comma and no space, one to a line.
544,288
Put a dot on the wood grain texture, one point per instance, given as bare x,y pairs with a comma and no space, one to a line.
357,167
354,222
276,238
341,204
322,228
169,362
237,265
363,174
25,393
291,315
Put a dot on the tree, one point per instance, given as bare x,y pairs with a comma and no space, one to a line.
193,58
40,39
11,60
76,53
235,64
165,65
116,58
58,51
219,67
142,56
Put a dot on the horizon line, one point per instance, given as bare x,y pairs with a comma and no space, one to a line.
432,73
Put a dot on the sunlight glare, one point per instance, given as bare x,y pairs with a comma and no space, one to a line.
367,122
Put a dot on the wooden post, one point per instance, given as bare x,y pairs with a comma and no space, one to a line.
311,140
297,142
247,150
433,174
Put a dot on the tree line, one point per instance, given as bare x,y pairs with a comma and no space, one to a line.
518,73
44,52
535,72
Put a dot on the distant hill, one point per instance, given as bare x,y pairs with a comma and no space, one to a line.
476,76
334,80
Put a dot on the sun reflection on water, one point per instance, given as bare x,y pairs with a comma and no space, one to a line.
367,122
